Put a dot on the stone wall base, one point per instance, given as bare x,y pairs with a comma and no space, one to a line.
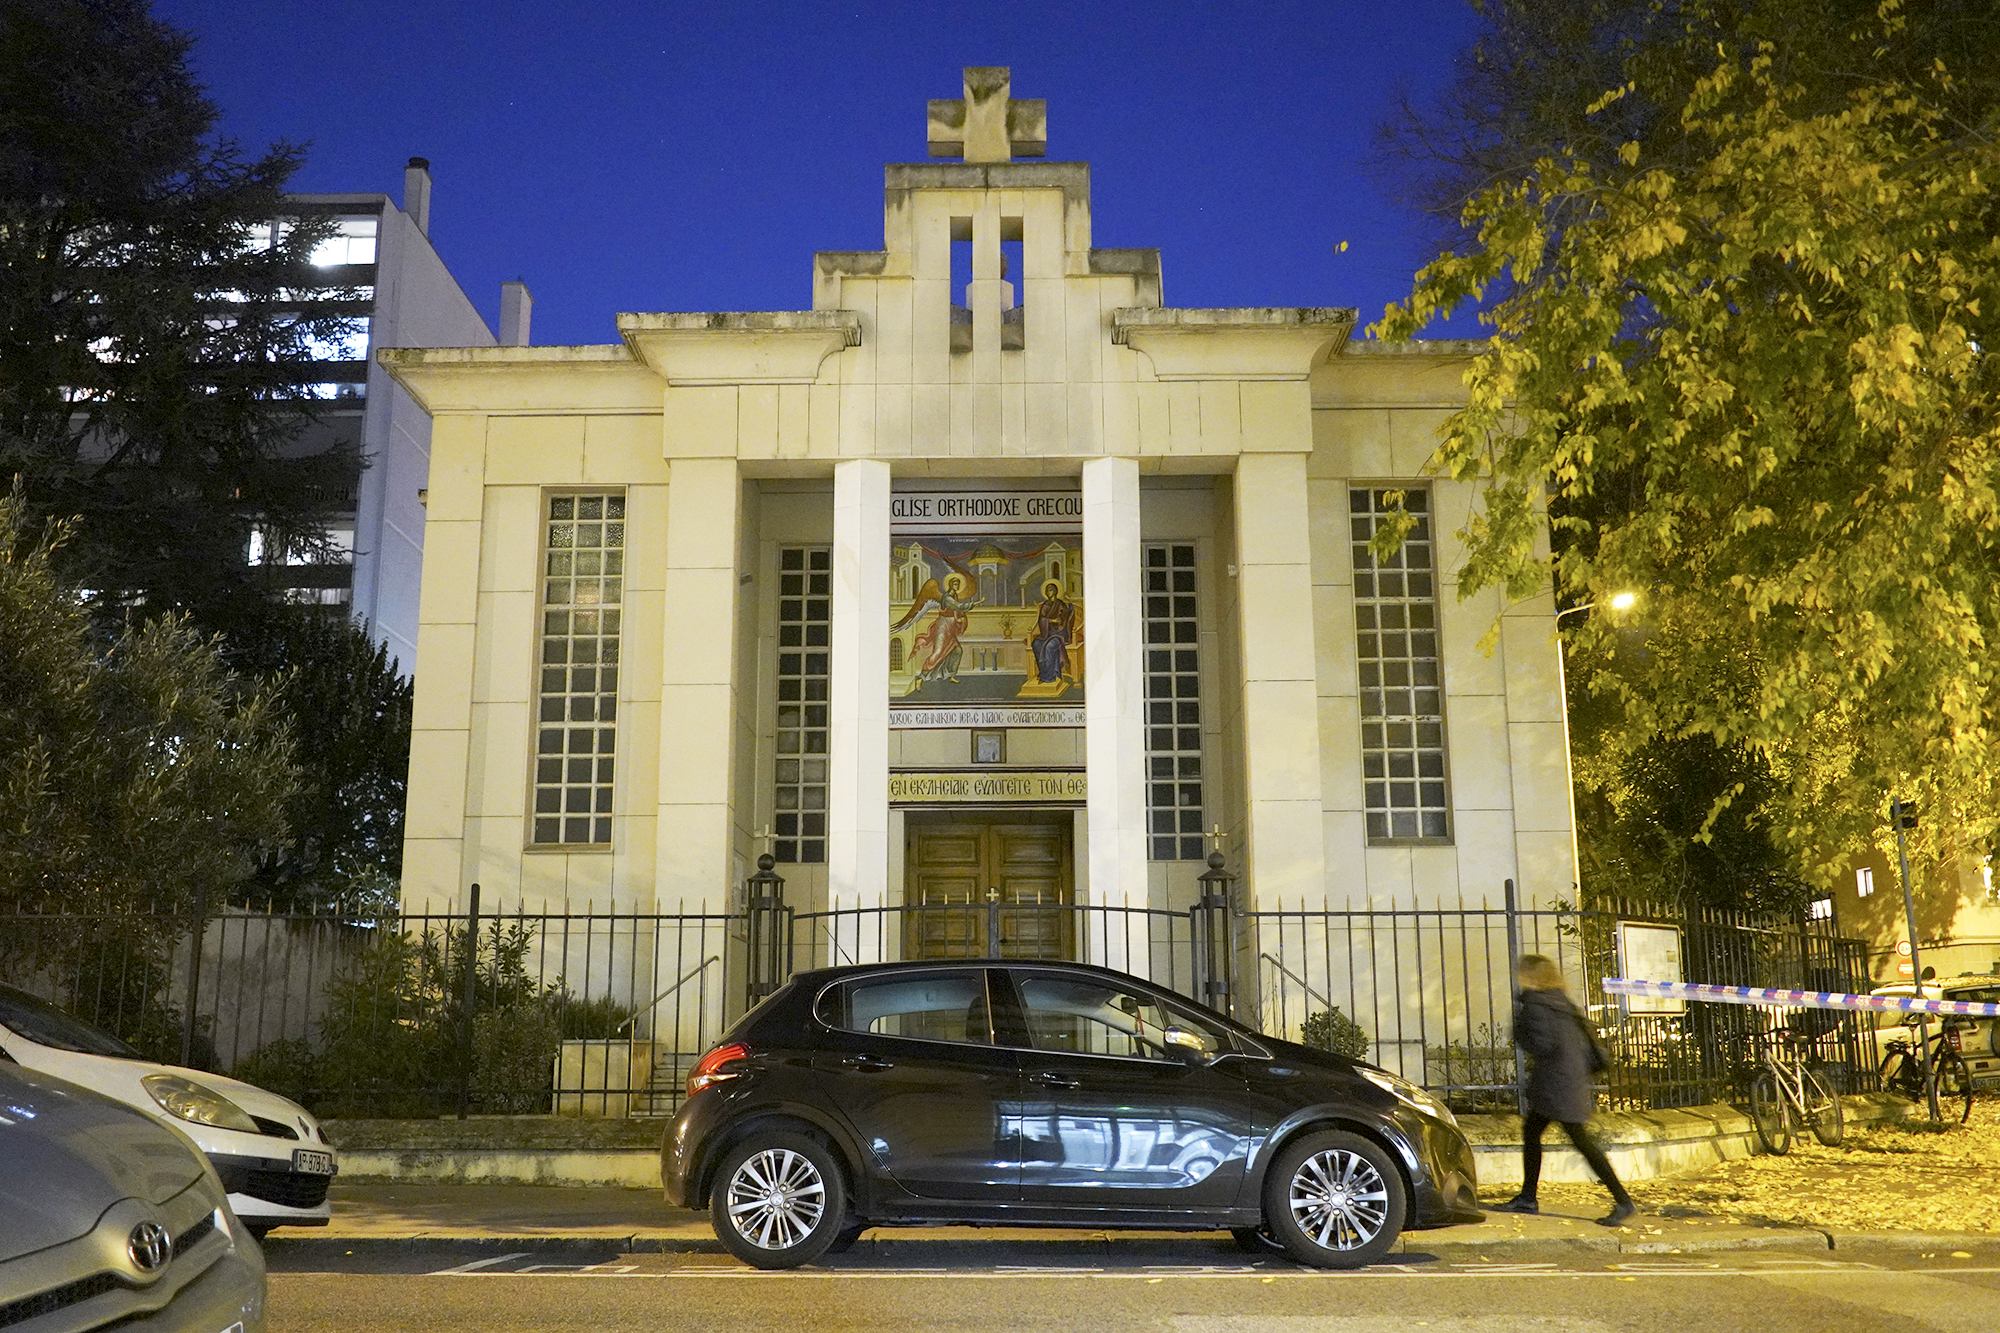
1643,1145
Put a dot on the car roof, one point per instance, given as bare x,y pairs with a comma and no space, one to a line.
1963,981
841,973
825,976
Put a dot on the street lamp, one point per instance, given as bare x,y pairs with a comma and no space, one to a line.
1620,601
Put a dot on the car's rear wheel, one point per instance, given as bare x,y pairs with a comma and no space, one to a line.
779,1200
1334,1200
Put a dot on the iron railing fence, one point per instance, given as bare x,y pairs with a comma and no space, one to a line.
592,1011
1430,990
604,1011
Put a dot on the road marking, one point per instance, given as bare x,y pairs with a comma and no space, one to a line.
1934,1302
1386,1271
478,1264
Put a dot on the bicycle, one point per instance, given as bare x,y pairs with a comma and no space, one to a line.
1784,1087
1950,1081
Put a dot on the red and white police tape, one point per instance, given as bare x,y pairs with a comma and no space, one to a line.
1797,999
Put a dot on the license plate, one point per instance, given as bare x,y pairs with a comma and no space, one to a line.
312,1162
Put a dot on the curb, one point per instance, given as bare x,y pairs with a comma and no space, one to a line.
1416,1245
1910,1240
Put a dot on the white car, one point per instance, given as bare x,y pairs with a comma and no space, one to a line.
269,1151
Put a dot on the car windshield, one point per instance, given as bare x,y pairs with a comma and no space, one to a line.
41,1022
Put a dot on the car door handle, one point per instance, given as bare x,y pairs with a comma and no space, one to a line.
1049,1080
871,1063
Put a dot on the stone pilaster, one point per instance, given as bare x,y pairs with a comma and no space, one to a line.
858,747
1287,851
1114,718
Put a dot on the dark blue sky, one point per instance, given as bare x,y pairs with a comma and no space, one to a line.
666,156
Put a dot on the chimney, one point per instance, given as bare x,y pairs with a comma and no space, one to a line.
516,306
417,193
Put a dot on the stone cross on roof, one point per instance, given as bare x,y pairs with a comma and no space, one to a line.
986,125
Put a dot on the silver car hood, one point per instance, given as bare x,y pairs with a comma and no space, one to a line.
70,1154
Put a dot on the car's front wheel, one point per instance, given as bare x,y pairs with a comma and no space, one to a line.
779,1200
1334,1200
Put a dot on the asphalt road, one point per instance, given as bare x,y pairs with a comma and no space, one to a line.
1192,1289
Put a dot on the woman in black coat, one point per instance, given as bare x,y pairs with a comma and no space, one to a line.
1561,1051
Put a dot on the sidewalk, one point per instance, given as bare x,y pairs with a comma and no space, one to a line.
639,1221
1894,1183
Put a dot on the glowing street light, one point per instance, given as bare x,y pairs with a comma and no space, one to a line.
1620,601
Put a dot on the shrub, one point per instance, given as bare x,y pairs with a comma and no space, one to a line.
513,1058
1481,1069
393,1041
601,1019
287,1067
1332,1030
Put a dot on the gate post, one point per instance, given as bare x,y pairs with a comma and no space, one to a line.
1214,941
468,998
766,935
1513,962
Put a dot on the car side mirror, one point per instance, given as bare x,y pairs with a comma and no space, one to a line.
1186,1045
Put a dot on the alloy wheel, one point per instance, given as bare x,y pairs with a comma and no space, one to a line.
776,1198
1339,1199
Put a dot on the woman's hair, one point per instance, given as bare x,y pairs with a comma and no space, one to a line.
1538,972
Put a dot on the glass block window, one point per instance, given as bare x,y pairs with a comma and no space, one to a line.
805,616
1402,698
583,564
1173,706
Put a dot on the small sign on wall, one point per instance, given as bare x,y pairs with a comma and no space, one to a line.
1649,952
1005,787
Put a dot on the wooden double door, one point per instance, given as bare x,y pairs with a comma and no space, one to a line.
989,886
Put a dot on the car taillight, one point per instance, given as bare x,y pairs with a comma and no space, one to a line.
710,1068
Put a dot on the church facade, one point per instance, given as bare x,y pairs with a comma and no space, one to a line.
990,576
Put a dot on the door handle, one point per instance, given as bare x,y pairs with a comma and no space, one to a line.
1049,1080
870,1063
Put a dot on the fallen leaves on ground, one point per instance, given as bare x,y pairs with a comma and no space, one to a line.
1885,1176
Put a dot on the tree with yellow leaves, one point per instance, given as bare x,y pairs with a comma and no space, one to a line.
1754,380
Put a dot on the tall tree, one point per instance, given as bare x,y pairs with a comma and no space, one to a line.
350,716
1742,361
142,779
152,340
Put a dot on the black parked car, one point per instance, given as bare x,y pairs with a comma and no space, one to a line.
1049,1094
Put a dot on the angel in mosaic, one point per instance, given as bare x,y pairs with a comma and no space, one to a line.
935,653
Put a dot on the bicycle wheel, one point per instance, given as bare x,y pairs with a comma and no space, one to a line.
1769,1113
1901,1076
1954,1084
1823,1109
